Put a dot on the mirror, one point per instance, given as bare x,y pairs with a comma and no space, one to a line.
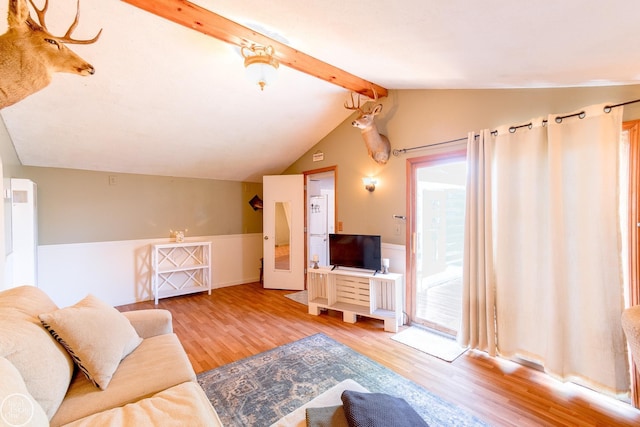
283,236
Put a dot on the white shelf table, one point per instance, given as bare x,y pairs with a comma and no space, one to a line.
180,268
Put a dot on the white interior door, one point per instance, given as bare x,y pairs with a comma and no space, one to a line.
283,228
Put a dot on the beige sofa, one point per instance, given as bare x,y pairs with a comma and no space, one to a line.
89,365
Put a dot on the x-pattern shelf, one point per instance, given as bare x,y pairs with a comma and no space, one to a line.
181,268
179,256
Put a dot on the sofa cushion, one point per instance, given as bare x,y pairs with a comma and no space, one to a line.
27,300
181,405
17,406
150,322
158,363
26,344
96,335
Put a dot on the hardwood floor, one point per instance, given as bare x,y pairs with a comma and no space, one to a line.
244,320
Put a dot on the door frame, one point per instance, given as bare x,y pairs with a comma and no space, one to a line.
412,165
633,127
306,175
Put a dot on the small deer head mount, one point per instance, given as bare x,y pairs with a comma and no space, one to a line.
29,54
378,145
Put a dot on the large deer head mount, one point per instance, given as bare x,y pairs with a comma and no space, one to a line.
29,54
378,146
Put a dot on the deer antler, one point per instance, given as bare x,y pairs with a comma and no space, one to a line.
375,92
353,103
358,107
41,13
67,37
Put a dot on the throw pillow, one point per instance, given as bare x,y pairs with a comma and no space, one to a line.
17,406
96,335
44,364
378,410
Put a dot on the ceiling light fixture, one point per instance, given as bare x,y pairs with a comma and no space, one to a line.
196,17
261,66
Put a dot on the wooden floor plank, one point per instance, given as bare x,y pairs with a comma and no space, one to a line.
240,321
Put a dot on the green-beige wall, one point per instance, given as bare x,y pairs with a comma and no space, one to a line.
81,206
413,118
78,206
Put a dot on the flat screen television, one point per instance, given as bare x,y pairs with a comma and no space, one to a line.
355,251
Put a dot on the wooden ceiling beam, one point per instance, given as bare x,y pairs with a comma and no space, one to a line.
197,18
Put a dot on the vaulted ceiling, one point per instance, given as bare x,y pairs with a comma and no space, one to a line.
168,100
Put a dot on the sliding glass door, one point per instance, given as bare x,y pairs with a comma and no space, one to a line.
437,233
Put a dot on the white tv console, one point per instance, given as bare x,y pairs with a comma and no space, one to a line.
357,293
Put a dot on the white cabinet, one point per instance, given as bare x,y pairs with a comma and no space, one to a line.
356,293
180,268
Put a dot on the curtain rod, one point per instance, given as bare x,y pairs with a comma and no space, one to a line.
512,129
397,152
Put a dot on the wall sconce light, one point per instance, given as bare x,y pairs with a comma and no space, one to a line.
369,184
261,67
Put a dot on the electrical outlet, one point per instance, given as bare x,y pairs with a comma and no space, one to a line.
339,225
113,180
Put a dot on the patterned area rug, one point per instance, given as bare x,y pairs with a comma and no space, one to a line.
259,390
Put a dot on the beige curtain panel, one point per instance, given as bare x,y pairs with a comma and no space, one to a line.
556,288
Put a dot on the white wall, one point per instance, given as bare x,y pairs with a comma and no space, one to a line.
397,264
397,257
119,272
